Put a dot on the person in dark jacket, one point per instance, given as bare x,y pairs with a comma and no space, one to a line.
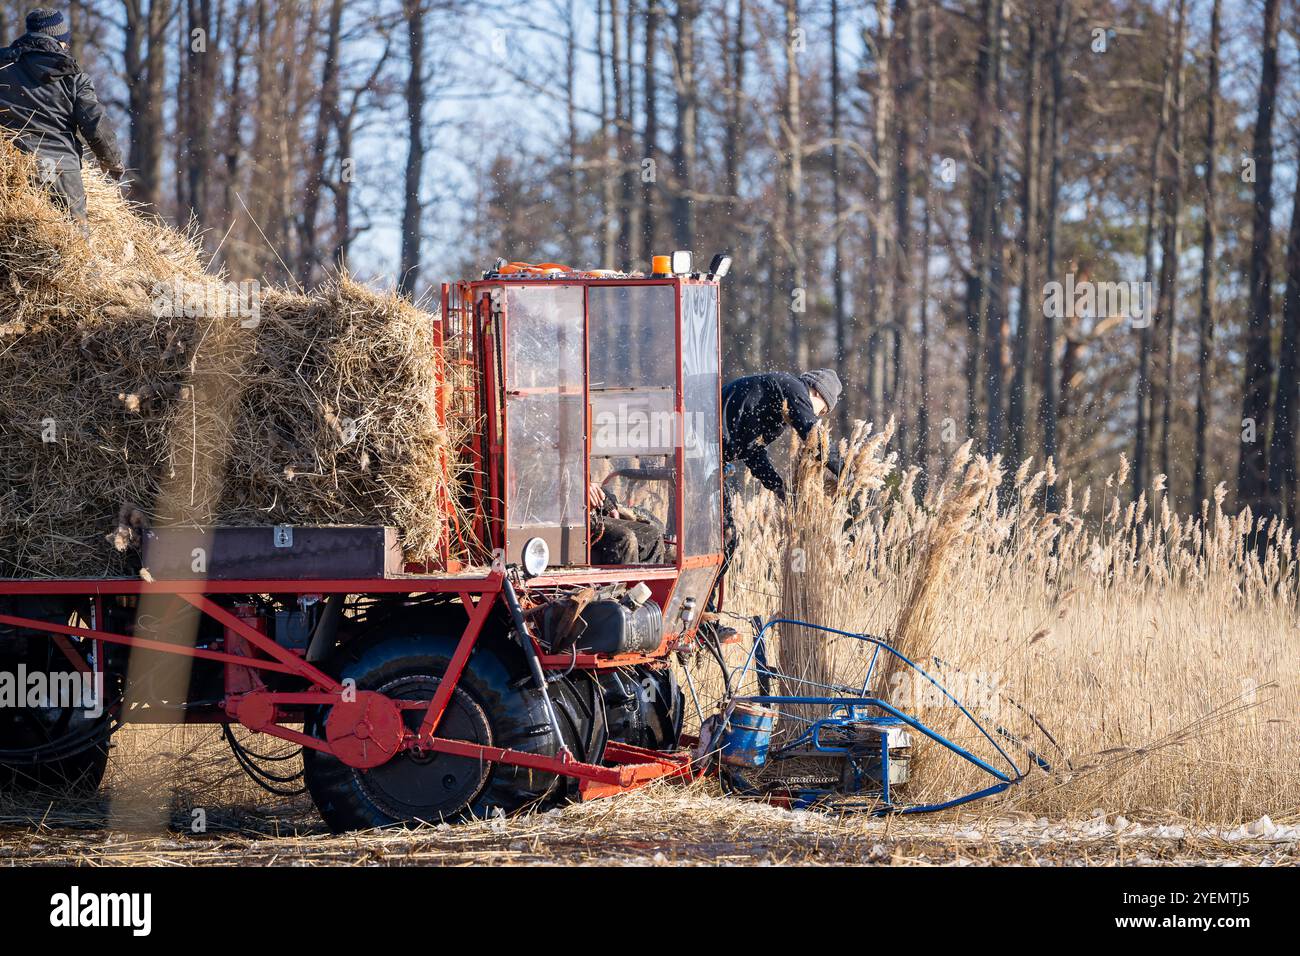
622,534
757,409
49,106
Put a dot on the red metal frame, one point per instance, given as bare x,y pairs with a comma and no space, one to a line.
264,711
478,614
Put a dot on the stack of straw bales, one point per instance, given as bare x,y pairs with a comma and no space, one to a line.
137,389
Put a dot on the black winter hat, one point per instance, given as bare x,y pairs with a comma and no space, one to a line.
49,23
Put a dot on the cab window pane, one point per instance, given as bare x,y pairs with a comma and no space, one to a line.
546,426
632,336
700,382
544,337
545,436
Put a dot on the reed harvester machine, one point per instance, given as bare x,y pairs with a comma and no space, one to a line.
528,672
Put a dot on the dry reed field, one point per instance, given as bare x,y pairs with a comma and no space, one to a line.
1158,651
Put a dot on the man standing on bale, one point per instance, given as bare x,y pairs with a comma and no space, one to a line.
48,105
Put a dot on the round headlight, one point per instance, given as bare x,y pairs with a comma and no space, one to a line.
537,557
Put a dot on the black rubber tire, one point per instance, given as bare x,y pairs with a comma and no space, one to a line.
494,703
580,706
76,775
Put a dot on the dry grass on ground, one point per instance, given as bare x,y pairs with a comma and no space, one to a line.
664,824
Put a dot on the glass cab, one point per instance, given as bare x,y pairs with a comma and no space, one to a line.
610,391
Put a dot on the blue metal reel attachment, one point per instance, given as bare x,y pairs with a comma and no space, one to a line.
867,737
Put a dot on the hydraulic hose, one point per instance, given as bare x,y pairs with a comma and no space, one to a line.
530,652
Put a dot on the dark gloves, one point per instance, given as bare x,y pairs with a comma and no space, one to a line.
834,463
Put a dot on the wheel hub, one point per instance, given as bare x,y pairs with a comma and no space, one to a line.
366,732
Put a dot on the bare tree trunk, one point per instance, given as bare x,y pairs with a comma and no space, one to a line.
734,135
609,164
275,107
996,297
183,92
203,58
1282,454
255,257
572,233
151,149
632,169
622,79
235,23
326,122
144,56
878,272
748,347
650,96
1018,403
1146,339
684,142
796,283
413,209
1171,244
981,205
839,306
904,172
1205,336
923,404
1252,467
1049,402
343,193
78,21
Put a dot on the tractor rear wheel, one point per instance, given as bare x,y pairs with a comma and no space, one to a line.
42,732
59,746
494,704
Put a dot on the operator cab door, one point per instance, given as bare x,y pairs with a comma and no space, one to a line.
635,427
545,369
702,451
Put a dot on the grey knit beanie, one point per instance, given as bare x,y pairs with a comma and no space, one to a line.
827,384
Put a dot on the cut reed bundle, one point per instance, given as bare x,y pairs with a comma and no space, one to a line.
138,389
823,549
